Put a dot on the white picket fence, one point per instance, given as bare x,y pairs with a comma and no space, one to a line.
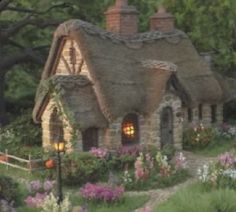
29,165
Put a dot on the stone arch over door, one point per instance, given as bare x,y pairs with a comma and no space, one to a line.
89,138
166,126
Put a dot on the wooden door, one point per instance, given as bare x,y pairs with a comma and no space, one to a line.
90,138
166,127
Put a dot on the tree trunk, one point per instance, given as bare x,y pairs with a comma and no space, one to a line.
3,116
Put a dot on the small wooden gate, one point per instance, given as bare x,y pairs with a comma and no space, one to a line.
166,126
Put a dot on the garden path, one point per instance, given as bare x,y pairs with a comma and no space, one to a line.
158,196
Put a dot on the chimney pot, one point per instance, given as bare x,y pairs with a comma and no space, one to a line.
162,21
122,19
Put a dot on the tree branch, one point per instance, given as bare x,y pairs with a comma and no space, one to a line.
26,10
15,28
26,56
3,4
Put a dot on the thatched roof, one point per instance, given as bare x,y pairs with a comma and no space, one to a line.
121,81
71,91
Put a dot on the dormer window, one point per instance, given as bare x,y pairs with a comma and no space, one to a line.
130,129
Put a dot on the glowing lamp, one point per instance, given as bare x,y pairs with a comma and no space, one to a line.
59,146
128,130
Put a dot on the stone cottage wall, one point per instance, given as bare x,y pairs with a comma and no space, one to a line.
174,102
149,127
46,134
206,116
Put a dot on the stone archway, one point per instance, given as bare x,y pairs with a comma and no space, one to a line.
166,126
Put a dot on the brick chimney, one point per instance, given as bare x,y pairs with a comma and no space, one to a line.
162,21
122,19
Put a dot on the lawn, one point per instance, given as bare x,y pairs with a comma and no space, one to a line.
199,198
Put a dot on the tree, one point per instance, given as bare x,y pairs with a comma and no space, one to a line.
18,22
211,25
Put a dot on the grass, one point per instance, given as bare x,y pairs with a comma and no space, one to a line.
198,198
217,146
129,203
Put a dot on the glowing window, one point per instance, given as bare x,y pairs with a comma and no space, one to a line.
130,129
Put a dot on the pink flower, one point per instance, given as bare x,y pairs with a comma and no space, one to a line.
101,192
99,152
36,201
227,160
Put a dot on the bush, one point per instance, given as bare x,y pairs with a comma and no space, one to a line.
9,190
79,168
197,137
103,193
22,131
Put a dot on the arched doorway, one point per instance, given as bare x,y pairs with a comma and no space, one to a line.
90,138
166,127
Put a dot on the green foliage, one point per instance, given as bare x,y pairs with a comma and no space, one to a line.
197,137
197,198
9,189
81,168
20,135
211,27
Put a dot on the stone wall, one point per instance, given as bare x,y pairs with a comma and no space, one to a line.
46,134
206,116
149,127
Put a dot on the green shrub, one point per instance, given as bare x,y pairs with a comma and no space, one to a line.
197,137
21,132
9,189
79,168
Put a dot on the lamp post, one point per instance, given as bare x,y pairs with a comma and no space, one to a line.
59,147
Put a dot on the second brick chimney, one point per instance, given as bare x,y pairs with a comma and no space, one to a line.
162,21
122,19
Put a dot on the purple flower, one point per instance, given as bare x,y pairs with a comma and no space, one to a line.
34,186
227,160
99,152
48,185
133,150
101,192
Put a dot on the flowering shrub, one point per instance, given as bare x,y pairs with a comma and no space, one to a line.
132,150
227,160
36,200
225,131
38,191
99,152
164,166
220,173
180,161
127,179
198,136
103,193
143,166
36,186
50,204
5,206
81,168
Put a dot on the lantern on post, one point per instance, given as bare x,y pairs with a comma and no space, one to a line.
59,147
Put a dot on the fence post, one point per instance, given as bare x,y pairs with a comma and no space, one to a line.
30,163
6,155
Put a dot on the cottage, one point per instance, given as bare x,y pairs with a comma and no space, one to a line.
120,87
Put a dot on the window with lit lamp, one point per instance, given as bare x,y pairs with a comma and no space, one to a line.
130,129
